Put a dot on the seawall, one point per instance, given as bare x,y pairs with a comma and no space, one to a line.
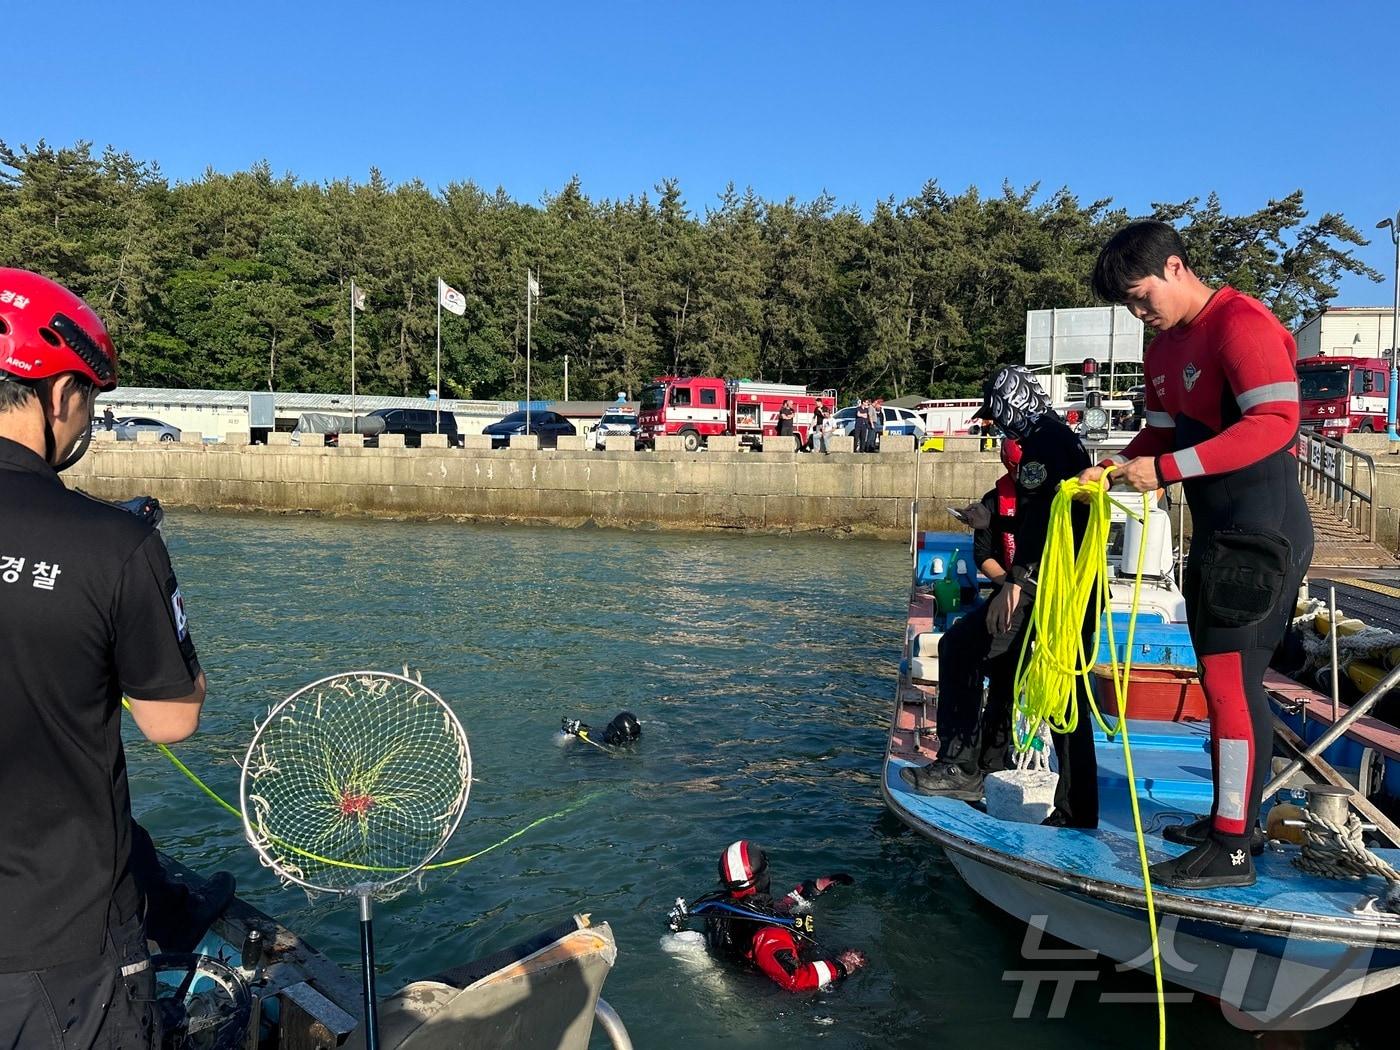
768,491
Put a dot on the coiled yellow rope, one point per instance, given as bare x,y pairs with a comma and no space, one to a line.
1046,682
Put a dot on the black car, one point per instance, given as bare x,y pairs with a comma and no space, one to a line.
413,423
547,425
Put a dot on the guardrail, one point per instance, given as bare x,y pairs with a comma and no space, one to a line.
1332,472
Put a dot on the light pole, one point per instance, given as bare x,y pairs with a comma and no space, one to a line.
1394,227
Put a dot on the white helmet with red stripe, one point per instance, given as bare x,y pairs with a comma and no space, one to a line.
743,869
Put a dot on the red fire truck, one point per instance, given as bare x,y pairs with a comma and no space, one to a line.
699,407
1342,394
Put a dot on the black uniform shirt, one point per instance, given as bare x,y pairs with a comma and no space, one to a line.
89,609
986,543
1050,453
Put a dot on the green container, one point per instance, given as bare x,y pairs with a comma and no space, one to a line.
948,595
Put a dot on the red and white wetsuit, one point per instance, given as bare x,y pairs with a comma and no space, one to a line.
1222,418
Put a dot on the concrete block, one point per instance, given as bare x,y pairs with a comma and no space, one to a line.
779,446
841,443
620,443
570,443
192,437
897,445
669,443
235,437
279,437
391,441
148,437
723,443
477,441
351,441
435,441
104,437
528,441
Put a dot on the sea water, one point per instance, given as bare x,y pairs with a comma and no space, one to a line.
762,670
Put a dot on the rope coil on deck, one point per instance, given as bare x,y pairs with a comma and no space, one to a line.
1335,851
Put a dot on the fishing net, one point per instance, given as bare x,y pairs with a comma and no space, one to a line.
355,782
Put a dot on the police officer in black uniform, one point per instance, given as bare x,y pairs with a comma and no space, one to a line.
1050,452
89,610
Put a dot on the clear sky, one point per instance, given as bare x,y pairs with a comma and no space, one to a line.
1141,102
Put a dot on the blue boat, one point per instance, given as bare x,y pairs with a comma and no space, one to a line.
1293,949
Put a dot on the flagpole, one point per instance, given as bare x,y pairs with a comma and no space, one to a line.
437,404
529,299
352,356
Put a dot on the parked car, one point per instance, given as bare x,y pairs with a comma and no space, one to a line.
413,423
897,421
127,427
546,425
613,422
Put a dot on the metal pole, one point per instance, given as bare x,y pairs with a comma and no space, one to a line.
612,1025
529,302
367,973
1394,335
352,355
1332,636
566,377
437,402
1339,727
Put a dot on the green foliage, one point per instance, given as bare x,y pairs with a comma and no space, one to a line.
242,280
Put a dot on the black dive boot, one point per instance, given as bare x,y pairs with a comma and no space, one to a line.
1198,831
1211,865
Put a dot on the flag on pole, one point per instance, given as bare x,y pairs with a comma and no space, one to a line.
533,285
357,296
452,300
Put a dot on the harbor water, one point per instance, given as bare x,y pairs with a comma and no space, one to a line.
762,670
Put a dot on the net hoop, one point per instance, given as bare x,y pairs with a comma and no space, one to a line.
376,878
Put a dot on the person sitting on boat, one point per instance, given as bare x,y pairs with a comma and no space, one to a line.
969,746
744,923
92,610
1050,452
1221,404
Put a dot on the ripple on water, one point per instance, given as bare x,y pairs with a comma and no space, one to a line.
761,669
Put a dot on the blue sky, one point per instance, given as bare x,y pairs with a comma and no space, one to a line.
1140,102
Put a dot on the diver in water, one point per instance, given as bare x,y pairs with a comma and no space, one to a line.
622,731
744,922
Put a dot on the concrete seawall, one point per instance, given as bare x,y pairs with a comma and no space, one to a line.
772,491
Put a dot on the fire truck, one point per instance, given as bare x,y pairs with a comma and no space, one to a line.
1342,394
700,407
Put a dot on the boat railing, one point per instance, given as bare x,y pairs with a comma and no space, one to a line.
612,1025
1340,478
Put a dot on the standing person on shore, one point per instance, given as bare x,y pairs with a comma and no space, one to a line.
1221,406
877,424
787,416
91,610
861,430
821,431
1050,453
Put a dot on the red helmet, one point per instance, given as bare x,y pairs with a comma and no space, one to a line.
743,868
46,330
1010,453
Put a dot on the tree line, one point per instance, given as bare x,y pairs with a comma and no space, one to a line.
241,280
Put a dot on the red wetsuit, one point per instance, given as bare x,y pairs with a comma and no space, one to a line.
1222,418
775,950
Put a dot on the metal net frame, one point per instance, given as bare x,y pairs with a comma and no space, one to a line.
353,783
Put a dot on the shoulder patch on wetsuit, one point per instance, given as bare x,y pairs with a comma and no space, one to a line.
1032,475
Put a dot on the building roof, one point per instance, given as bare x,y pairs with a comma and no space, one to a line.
294,401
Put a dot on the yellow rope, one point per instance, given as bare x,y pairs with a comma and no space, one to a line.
455,862
1046,683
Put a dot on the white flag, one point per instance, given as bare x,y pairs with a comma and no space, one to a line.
533,285
357,296
452,300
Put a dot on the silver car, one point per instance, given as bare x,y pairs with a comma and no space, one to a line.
127,427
